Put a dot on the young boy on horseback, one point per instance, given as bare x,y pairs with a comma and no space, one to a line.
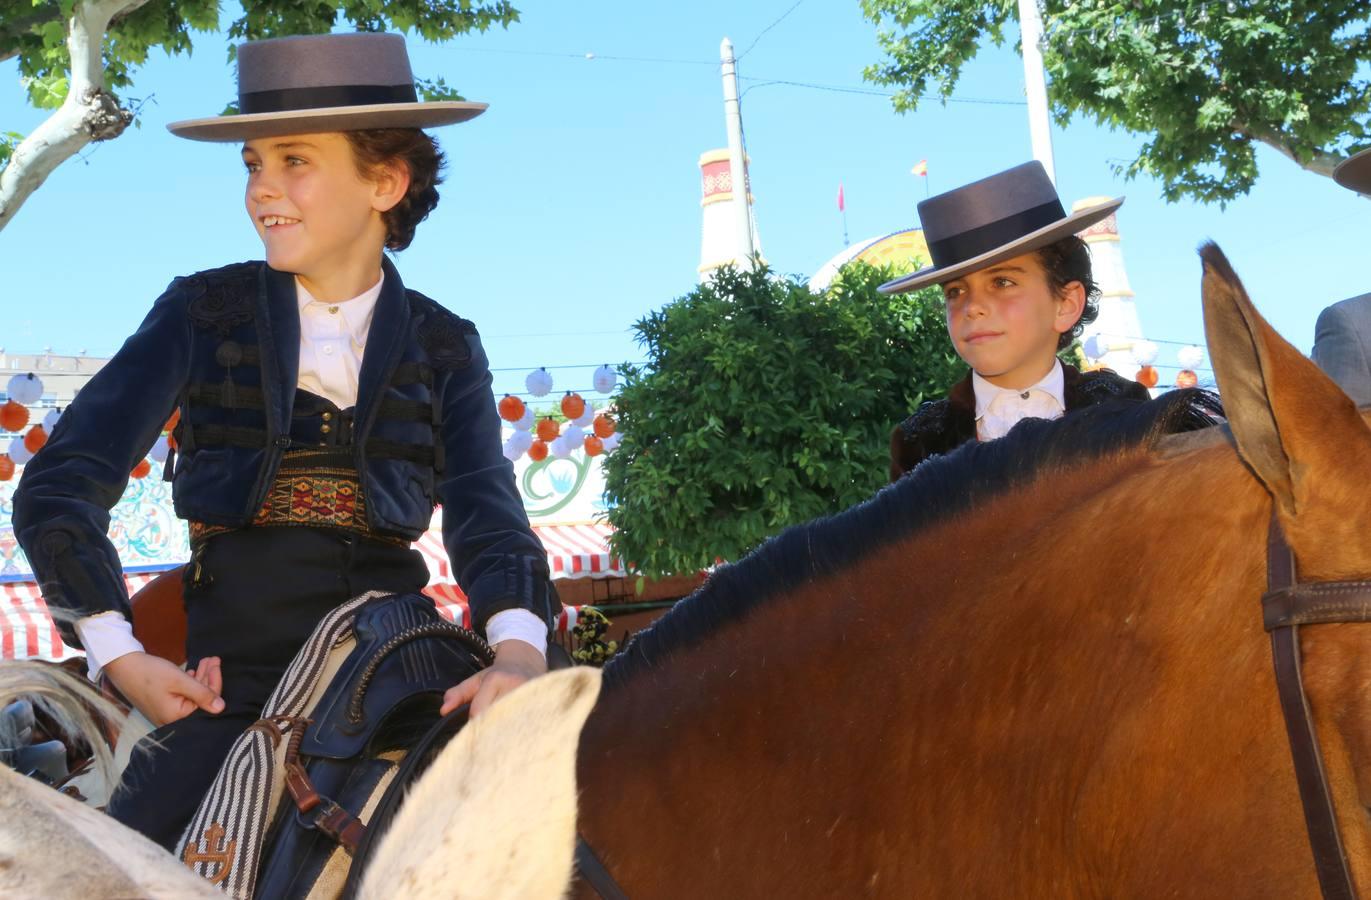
1018,289
324,410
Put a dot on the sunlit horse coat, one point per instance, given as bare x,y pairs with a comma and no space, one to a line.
938,426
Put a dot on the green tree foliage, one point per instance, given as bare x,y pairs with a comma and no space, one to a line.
763,405
1202,82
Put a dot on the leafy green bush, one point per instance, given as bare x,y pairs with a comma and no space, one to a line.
763,405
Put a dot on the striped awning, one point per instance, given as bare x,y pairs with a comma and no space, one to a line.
579,550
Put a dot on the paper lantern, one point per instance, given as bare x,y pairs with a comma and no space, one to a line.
1186,378
1190,357
35,439
26,390
13,416
6,467
142,469
18,452
511,408
604,379
510,453
160,450
573,407
594,446
1147,377
1093,347
611,443
561,448
585,418
603,426
547,429
538,382
519,442
537,451
574,435
1145,353
173,421
50,420
526,420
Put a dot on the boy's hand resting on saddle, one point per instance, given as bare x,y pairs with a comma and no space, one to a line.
515,662
162,690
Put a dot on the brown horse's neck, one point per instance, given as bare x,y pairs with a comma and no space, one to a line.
1005,700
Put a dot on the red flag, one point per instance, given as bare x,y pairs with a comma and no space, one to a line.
841,208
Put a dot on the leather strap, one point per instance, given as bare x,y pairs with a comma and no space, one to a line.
595,873
1294,605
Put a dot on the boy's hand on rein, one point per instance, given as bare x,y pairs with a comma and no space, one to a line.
164,692
515,663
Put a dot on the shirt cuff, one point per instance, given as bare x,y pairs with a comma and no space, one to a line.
106,637
517,625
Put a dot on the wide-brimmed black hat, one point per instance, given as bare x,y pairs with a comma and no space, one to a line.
994,219
1355,172
324,82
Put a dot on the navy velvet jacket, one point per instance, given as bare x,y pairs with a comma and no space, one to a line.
223,346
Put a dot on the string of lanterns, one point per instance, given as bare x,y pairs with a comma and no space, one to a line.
1144,353
591,430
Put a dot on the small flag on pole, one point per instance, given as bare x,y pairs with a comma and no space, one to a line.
841,207
920,168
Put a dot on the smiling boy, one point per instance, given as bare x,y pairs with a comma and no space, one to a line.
1018,289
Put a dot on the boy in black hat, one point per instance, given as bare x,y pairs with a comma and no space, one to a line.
324,410
1018,289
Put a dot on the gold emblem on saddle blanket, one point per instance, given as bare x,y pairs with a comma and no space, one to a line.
222,857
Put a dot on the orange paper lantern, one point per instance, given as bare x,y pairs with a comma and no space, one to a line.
142,469
171,441
594,446
35,439
1147,377
603,426
537,451
173,421
1186,378
511,408
13,416
573,407
6,467
547,429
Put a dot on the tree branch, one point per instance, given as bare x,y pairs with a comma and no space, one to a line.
89,113
1319,163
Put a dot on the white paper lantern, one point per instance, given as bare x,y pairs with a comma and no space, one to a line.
587,418
525,423
574,435
508,450
519,442
539,382
160,450
50,420
1093,347
1145,352
610,443
19,454
1190,357
604,379
561,448
26,390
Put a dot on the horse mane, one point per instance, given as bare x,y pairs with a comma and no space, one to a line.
937,489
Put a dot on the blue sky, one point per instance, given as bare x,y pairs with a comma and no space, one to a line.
572,207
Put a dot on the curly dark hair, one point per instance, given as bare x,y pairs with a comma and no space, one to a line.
1066,261
419,153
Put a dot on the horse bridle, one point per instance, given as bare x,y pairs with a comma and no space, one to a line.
1286,606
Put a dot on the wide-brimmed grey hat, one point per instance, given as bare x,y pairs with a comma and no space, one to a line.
1355,172
994,219
324,82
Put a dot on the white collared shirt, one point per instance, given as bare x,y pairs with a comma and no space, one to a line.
333,337
1000,409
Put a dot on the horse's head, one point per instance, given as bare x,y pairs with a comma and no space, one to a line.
1297,431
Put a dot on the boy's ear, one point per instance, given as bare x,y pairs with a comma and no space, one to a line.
1070,306
392,181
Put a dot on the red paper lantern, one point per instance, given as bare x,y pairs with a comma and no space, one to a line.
142,469
13,416
6,467
603,426
511,408
537,451
1186,378
573,407
35,439
547,429
1147,377
173,421
594,446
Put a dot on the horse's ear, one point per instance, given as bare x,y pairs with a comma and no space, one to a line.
1295,428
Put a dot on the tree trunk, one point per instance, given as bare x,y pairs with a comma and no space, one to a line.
90,113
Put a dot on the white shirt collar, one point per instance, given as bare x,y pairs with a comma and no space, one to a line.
1053,384
356,312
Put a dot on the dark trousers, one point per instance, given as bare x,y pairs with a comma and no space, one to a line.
259,595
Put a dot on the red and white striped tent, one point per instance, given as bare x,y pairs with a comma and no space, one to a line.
573,551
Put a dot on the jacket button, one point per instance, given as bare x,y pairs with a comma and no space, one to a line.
283,442
229,353
327,416
325,429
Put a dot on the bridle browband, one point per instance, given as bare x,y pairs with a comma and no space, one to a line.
1286,605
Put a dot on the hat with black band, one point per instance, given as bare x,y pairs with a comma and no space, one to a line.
991,220
325,82
1355,172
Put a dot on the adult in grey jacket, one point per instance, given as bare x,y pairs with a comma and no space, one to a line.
1342,336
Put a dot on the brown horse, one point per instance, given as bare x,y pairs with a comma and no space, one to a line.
1034,667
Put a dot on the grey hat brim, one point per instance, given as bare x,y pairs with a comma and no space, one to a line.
1354,173
334,118
1049,234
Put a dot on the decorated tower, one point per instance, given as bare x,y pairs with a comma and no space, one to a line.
1117,330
